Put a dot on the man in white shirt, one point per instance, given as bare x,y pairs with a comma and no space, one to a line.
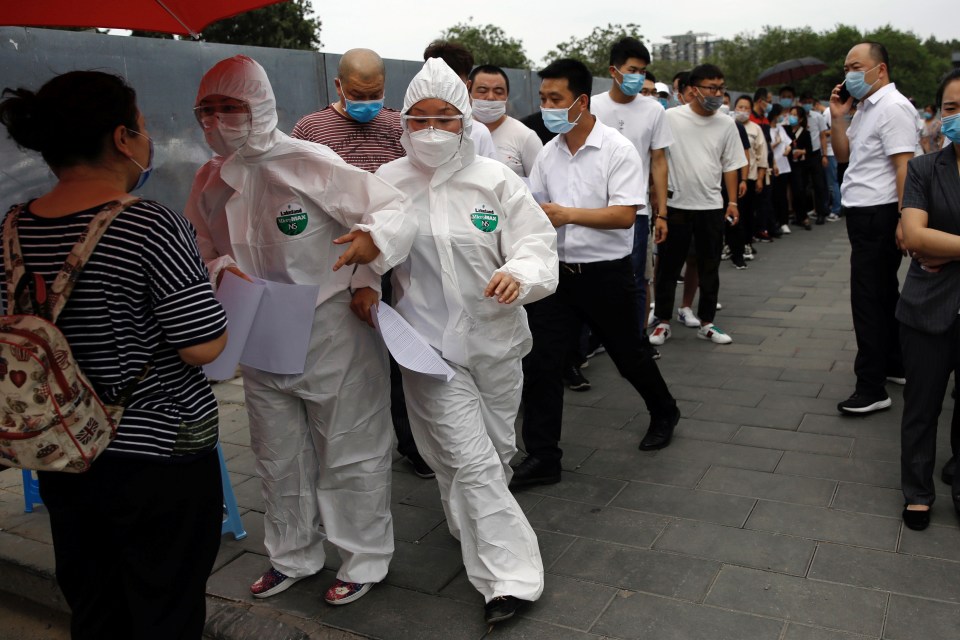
817,163
591,179
833,184
517,144
878,143
706,150
460,60
644,123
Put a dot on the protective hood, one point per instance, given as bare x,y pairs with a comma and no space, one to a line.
437,80
244,79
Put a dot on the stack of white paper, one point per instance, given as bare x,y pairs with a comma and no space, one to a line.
407,346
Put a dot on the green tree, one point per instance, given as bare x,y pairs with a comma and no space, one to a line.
489,44
287,25
594,50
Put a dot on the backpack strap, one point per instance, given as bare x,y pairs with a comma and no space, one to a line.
14,270
63,284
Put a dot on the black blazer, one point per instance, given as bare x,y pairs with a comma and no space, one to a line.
929,302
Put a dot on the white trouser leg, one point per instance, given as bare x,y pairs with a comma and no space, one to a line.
466,443
345,394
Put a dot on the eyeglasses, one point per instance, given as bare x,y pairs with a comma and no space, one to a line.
206,110
431,119
648,92
714,90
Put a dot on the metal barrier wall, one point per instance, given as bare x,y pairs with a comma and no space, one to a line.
166,74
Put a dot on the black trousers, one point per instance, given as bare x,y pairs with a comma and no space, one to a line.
134,542
602,295
398,403
780,206
874,292
813,168
742,233
707,230
928,361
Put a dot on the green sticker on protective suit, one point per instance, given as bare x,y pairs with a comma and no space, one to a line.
292,220
484,218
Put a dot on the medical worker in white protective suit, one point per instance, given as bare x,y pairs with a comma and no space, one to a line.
271,206
484,248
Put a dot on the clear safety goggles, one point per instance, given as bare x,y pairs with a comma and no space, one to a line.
207,110
437,122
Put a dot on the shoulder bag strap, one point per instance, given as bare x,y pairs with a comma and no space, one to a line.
13,269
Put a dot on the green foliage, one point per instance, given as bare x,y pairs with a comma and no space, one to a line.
916,65
287,25
489,44
594,50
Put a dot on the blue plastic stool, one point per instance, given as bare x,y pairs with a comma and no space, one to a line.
231,515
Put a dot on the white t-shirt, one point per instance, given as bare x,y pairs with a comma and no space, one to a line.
828,120
704,148
815,124
885,124
604,172
517,146
483,141
779,140
642,121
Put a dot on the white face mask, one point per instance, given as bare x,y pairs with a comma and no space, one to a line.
487,111
434,147
741,116
226,132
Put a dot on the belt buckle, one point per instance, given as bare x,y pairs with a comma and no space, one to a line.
573,268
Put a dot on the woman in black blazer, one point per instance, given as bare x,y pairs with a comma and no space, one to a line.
928,308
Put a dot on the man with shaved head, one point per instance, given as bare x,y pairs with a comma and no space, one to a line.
363,132
878,141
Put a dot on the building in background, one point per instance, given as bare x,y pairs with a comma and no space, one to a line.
688,47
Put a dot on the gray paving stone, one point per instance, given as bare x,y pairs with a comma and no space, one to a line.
831,525
793,441
608,524
422,567
747,398
882,474
730,455
802,632
248,494
798,600
638,569
594,417
645,467
569,603
526,628
750,415
823,406
769,486
886,571
595,437
877,449
730,545
641,616
851,427
935,542
581,487
912,618
694,429
685,503
773,387
411,523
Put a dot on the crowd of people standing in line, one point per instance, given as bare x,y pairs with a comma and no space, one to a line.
507,244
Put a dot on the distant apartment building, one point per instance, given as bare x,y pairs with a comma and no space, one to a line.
688,47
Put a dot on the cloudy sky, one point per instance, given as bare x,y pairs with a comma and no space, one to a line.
402,30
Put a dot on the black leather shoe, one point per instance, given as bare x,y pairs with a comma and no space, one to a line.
500,608
916,520
660,431
949,469
534,471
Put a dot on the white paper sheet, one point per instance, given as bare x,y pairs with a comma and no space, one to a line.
407,346
269,326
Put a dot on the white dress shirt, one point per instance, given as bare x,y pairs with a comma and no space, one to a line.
815,125
884,125
606,171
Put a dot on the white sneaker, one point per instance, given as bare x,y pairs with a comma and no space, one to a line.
748,252
713,333
687,317
785,229
832,217
660,334
719,306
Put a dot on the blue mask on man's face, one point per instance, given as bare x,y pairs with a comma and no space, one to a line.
362,110
631,83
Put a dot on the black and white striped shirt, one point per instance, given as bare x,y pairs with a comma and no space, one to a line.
143,294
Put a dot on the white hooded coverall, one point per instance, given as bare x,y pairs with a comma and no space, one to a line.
321,439
476,217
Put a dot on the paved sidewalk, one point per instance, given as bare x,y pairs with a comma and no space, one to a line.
770,517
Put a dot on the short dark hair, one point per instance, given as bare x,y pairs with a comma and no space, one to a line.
457,56
71,119
879,53
801,115
492,70
761,94
705,72
948,77
933,107
746,97
649,76
682,78
806,95
575,72
787,87
626,48
775,111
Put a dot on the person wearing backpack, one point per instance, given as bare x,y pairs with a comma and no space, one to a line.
135,536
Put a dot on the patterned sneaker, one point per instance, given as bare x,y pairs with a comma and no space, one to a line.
714,334
687,317
346,592
660,334
271,583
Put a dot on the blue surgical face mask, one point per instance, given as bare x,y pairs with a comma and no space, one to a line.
144,172
362,110
631,83
664,103
857,84
950,127
557,120
793,121
768,108
926,115
807,107
786,103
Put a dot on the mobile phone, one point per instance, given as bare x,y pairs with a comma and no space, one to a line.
844,95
